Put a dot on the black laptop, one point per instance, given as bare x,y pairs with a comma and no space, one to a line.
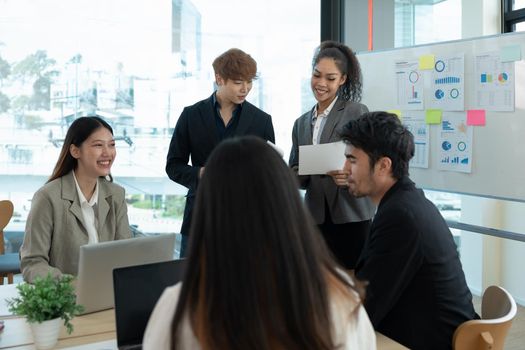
136,291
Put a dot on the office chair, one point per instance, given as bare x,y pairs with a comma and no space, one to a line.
498,309
9,263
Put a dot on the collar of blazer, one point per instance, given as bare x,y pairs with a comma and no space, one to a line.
69,192
333,119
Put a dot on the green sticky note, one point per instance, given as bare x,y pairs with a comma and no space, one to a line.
396,112
426,62
433,116
510,53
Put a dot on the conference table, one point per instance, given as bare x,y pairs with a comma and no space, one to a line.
94,331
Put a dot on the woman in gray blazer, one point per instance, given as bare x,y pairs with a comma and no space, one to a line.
343,220
78,205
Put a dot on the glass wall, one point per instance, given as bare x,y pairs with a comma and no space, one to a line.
137,64
422,22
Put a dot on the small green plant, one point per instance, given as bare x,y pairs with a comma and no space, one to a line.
48,298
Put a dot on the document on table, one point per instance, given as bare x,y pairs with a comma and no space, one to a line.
322,158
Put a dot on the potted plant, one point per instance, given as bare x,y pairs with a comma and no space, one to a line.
44,303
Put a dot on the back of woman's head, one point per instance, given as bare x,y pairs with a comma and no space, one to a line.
248,205
77,133
256,273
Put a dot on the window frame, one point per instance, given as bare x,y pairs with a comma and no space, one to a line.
332,20
510,17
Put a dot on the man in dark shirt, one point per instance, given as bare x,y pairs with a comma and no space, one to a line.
201,127
417,293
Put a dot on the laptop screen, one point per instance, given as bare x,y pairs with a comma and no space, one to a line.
137,289
97,261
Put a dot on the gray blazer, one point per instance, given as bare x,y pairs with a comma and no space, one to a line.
55,227
343,206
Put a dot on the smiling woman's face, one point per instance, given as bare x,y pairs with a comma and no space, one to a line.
96,154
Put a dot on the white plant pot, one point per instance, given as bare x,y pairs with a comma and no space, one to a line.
45,334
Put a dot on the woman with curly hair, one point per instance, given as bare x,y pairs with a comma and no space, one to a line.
343,220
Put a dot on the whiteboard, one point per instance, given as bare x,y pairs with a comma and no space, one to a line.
498,159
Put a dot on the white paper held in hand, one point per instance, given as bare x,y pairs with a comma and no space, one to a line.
322,158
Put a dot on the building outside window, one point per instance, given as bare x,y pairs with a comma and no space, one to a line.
137,64
426,21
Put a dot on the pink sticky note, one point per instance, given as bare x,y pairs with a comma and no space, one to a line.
476,117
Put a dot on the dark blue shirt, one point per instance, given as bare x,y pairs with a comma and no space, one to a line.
225,131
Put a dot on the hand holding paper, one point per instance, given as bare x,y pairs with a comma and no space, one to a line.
340,177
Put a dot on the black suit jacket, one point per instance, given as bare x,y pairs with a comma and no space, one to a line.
417,293
196,136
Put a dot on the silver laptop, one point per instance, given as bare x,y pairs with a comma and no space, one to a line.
97,261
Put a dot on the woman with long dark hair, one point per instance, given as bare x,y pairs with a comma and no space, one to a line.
258,274
344,220
78,205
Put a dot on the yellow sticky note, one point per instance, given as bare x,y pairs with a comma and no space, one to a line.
433,116
426,62
396,112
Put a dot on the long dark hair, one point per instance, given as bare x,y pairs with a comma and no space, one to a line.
77,133
347,63
259,276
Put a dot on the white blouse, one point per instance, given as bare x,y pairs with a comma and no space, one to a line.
351,331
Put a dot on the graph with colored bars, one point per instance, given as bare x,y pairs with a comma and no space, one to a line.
454,160
447,126
414,92
487,78
448,80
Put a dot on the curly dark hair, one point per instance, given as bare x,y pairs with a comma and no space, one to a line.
347,63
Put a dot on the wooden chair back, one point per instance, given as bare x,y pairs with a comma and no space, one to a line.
498,309
6,213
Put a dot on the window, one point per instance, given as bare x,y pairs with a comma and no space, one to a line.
518,4
427,21
137,64
513,15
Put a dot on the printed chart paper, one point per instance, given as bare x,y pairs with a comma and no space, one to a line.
409,86
448,83
455,143
416,124
494,86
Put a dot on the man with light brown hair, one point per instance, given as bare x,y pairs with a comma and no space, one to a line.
202,126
